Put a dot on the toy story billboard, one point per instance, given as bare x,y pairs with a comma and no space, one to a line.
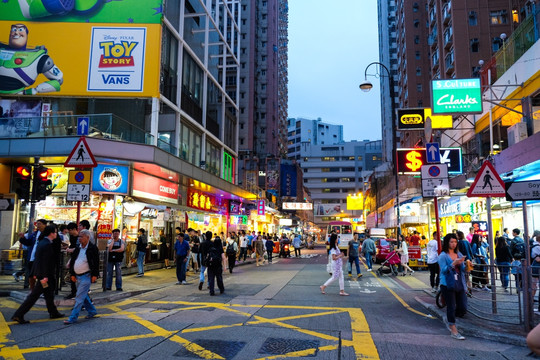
80,47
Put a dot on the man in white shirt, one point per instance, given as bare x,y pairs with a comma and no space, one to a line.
432,262
84,268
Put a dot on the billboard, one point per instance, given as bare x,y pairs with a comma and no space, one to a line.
456,96
110,179
327,209
101,51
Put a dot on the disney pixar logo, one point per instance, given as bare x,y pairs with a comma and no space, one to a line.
116,54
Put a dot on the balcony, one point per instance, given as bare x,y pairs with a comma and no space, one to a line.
447,13
448,38
105,126
432,39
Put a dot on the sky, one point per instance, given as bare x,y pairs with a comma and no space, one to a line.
330,45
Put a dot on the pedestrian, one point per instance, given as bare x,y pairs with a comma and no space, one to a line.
479,274
506,236
464,247
503,258
31,241
535,264
337,267
214,262
470,235
432,262
181,251
204,247
243,246
354,247
85,225
259,250
116,247
142,243
453,284
368,250
517,245
164,248
73,243
44,269
404,251
269,245
84,270
297,243
232,250
194,244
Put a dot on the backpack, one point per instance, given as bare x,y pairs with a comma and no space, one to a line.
230,249
532,247
518,250
212,257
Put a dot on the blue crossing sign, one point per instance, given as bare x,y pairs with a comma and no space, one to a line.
433,155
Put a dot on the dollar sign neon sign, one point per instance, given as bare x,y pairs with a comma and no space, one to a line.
415,162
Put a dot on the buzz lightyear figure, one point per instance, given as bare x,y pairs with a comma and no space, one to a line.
32,9
20,66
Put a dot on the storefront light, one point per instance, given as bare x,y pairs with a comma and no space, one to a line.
469,180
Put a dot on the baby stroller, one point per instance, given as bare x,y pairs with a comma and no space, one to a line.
389,265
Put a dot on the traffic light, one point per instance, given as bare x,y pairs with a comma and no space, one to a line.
23,179
42,183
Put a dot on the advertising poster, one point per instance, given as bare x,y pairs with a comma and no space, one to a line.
110,179
327,209
100,51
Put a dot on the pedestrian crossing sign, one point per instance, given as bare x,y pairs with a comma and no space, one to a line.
487,183
81,156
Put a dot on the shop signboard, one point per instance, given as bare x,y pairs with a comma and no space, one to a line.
410,119
105,219
239,220
151,187
103,51
410,160
297,206
199,200
450,207
355,201
456,96
480,227
463,218
112,179
261,207
288,180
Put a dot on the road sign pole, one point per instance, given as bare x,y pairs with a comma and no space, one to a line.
437,224
492,257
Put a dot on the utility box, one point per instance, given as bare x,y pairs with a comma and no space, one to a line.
516,133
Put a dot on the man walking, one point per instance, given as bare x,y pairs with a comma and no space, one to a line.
354,247
30,240
114,261
243,246
181,251
368,250
216,258
84,269
269,249
205,245
44,270
232,249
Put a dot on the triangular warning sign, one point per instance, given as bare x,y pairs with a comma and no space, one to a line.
487,183
81,156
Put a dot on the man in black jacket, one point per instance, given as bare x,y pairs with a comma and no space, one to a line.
44,269
84,268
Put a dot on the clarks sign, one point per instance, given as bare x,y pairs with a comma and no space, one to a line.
456,96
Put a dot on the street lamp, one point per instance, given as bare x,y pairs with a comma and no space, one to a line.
367,86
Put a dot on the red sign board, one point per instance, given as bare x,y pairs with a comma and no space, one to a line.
415,252
151,187
105,219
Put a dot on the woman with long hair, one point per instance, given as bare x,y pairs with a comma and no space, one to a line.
504,258
453,283
404,251
337,267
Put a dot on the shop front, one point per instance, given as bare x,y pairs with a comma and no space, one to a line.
209,212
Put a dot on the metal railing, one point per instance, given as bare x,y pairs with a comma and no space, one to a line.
107,126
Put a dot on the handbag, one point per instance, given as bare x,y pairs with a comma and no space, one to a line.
469,266
453,280
329,265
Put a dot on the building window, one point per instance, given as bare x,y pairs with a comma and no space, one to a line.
473,18
418,71
420,103
415,7
328,158
417,39
419,87
498,17
360,158
417,55
416,23
474,45
496,44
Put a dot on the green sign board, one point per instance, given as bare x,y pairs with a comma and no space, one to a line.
456,96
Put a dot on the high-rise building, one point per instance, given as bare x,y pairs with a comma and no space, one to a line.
303,132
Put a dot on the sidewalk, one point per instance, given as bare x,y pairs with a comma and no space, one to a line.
155,277
479,321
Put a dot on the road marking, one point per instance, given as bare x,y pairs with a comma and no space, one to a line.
361,341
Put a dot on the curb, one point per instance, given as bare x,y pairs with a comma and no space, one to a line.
475,330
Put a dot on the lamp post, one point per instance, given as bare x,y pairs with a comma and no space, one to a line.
367,86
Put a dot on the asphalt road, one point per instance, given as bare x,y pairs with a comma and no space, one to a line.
269,312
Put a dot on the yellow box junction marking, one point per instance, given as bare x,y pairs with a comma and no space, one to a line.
361,341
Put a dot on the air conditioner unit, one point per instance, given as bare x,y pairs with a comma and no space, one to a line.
516,133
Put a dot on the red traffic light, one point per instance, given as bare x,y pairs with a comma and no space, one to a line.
24,171
44,172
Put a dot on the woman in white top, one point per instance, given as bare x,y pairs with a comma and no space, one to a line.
432,262
337,267
404,251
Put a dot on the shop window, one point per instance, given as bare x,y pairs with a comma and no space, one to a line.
169,66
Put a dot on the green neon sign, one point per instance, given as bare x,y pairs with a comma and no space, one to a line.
456,96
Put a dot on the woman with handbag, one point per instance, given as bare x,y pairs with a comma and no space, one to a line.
337,267
453,283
